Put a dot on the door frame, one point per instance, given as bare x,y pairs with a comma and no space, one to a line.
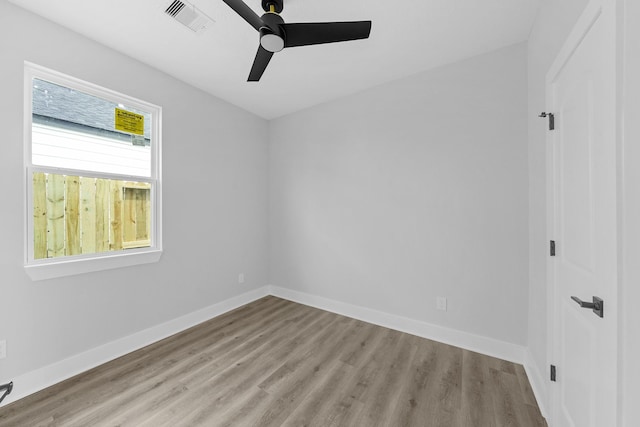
595,9
629,221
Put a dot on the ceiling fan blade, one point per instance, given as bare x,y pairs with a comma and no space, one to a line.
259,64
304,34
245,12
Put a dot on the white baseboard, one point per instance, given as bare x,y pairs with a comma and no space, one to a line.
44,377
537,381
480,344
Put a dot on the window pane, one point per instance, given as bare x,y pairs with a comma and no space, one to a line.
75,130
75,215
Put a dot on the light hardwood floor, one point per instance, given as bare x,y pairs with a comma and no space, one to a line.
277,363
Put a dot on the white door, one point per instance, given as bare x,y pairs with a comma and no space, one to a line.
581,91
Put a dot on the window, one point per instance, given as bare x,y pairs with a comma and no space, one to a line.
92,164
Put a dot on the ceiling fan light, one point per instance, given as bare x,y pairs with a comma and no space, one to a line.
272,42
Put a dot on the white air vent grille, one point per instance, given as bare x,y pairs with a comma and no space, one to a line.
188,15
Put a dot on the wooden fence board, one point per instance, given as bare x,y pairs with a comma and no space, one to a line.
115,233
88,215
39,215
129,217
141,215
55,216
147,209
102,215
72,215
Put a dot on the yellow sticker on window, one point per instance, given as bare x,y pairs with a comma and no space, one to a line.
129,122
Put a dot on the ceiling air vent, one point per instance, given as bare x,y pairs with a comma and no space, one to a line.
188,15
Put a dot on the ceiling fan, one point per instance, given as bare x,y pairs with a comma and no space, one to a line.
275,34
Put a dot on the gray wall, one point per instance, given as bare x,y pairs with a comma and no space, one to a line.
215,206
411,190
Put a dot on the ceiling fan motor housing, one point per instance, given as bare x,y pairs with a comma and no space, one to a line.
272,36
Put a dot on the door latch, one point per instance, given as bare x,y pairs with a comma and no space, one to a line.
597,305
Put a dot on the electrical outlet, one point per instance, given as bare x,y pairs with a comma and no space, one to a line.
3,349
241,278
441,303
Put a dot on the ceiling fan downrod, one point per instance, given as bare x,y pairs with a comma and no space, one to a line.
273,6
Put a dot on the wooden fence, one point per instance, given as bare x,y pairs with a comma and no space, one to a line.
75,215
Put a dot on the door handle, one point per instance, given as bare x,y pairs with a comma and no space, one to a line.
597,305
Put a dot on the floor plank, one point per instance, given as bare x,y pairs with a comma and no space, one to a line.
277,363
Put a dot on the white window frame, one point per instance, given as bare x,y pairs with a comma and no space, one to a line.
40,269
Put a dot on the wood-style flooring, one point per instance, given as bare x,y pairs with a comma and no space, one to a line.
278,363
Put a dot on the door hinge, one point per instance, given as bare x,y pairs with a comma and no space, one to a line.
553,373
552,248
552,121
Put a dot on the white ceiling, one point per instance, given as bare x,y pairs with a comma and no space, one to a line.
407,37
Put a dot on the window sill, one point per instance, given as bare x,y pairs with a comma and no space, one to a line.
71,267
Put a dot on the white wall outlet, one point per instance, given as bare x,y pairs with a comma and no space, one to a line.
241,278
3,349
441,303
